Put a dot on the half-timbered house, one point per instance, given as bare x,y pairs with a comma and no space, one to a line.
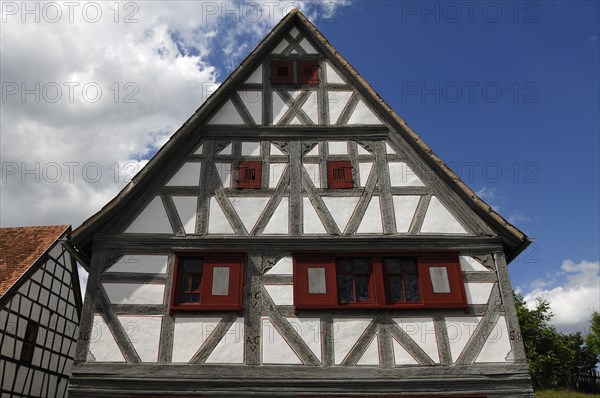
295,238
40,305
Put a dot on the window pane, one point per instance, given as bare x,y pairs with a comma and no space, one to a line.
186,282
409,265
392,266
361,266
345,265
192,265
362,288
439,279
396,291
220,282
195,282
345,289
189,298
411,285
316,281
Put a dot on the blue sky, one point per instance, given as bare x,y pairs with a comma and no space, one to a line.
505,92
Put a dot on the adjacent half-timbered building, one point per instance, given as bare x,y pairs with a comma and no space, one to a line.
40,305
295,238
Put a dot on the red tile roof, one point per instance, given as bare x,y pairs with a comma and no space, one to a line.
20,247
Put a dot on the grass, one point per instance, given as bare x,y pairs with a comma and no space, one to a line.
562,394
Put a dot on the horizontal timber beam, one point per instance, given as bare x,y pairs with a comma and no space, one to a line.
295,132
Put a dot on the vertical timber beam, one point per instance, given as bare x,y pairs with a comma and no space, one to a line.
295,187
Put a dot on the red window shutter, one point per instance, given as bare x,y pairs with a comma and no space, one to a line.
249,175
282,72
308,72
450,295
222,282
323,295
339,174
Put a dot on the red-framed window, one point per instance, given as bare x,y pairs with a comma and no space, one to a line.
339,174
387,280
295,72
208,281
249,175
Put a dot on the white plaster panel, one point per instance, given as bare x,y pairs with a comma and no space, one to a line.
187,176
275,151
439,220
281,294
295,121
311,107
362,151
250,148
478,293
364,170
135,293
294,32
283,266
294,52
227,150
341,209
189,334
401,356
252,100
227,115
402,176
294,94
153,264
153,219
256,76
313,152
217,221
279,222
389,149
371,355
231,347
314,173
332,75
497,346
346,332
102,343
275,349
249,209
280,47
279,108
144,334
371,222
469,264
186,208
276,170
404,209
310,218
200,150
422,331
309,330
337,147
337,103
460,330
224,170
305,44
362,114
56,251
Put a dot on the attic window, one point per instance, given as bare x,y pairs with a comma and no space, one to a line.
31,333
282,72
306,72
249,175
339,175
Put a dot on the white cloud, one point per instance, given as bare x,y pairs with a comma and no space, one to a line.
65,151
575,294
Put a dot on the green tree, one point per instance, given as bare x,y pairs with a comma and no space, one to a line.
592,340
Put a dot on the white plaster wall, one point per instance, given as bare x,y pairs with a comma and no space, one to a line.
187,176
144,334
103,347
224,170
422,331
371,222
332,74
256,76
314,173
227,150
283,266
341,209
281,294
439,220
389,149
311,107
276,170
217,221
279,108
231,347
275,151
227,115
280,47
279,222
402,176
250,148
135,293
460,330
153,264
478,293
337,103
337,147
186,208
371,355
309,329
249,209
275,349
362,151
497,346
189,334
295,121
401,356
305,44
469,264
363,115
253,102
364,170
346,332
153,219
404,210
200,150
311,221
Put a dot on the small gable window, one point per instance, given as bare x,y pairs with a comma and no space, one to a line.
308,72
282,72
208,282
249,175
295,72
31,332
339,174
